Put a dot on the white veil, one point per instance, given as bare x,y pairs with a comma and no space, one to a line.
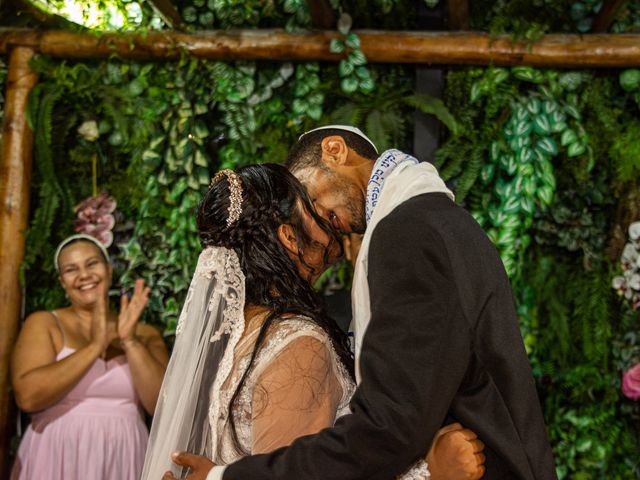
208,330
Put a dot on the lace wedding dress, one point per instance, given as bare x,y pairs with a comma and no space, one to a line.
297,387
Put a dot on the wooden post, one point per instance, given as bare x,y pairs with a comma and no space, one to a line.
607,15
458,14
15,175
168,12
322,15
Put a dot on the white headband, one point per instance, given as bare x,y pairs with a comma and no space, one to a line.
346,128
79,236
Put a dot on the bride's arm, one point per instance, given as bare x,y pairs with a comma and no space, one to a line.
297,394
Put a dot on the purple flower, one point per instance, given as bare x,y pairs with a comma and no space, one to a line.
95,217
631,383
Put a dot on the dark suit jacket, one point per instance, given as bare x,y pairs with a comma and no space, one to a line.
443,344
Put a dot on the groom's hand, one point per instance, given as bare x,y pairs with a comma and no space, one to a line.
456,454
199,465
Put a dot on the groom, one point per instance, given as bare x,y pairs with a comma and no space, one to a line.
436,332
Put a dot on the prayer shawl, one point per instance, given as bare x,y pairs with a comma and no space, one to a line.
407,179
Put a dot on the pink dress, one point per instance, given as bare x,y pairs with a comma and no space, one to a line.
95,432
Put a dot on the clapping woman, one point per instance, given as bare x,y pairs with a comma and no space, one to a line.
85,373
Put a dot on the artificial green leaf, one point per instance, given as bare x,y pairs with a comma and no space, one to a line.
136,87
487,172
549,107
525,169
575,149
344,23
151,158
352,41
495,150
534,105
525,155
506,236
541,125
499,75
345,68
545,195
336,46
630,80
568,137
356,57
478,89
548,145
521,113
529,186
523,128
115,139
367,85
572,111
527,74
315,112
201,159
435,106
363,73
527,205
349,84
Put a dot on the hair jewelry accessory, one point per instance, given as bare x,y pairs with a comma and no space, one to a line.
235,195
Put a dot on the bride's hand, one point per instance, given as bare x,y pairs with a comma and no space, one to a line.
199,465
456,454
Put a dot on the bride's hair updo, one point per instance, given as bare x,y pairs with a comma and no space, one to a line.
267,197
270,196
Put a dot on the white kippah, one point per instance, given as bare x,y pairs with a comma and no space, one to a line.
346,128
79,236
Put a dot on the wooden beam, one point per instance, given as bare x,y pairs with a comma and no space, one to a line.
442,48
458,14
168,12
322,15
15,174
607,15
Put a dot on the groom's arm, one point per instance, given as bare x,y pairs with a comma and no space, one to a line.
414,356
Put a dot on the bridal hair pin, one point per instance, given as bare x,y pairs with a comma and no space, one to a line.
235,195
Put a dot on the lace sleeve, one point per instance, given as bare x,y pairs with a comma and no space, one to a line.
418,471
297,394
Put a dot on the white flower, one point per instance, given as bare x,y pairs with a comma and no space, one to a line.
629,254
634,231
618,283
89,130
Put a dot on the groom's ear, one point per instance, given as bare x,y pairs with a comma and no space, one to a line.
334,151
288,239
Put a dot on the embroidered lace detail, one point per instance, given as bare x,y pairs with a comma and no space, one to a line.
286,332
229,288
419,471
221,264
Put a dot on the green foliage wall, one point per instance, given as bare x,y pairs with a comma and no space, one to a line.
544,163
547,161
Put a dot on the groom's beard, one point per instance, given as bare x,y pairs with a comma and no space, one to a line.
353,201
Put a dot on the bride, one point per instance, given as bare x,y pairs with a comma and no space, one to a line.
257,362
